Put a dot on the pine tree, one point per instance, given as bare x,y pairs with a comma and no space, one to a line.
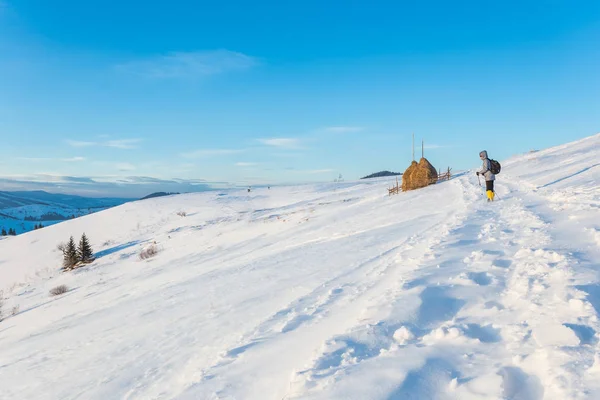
4,232
84,252
35,227
12,232
70,257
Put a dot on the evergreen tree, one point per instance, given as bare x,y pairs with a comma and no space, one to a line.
4,232
85,253
35,227
70,256
12,232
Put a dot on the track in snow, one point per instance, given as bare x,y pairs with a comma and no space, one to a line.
332,292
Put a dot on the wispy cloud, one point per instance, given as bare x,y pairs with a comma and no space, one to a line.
178,65
246,164
287,155
34,159
123,143
437,146
290,143
201,153
125,167
78,143
46,159
310,171
117,144
343,129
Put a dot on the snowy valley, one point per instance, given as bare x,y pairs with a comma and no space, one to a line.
325,291
22,211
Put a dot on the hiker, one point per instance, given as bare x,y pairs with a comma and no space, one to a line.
486,171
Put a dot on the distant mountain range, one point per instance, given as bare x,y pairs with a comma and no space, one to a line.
382,174
23,210
157,194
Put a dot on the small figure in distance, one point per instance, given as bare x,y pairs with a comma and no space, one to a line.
486,171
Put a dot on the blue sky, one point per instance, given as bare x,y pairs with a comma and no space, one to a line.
124,97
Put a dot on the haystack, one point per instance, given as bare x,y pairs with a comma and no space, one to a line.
419,175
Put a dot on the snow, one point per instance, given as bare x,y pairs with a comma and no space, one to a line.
332,291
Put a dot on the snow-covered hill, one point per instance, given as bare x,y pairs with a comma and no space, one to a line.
22,211
333,291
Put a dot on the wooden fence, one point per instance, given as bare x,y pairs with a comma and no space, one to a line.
394,189
445,176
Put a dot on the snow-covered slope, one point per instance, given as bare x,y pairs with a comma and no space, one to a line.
332,291
571,165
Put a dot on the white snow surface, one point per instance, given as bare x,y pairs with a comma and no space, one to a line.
333,291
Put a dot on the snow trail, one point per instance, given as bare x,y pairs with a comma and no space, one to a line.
321,292
507,318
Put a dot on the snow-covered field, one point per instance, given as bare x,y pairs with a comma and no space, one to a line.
333,291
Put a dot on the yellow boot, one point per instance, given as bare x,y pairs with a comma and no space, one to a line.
490,195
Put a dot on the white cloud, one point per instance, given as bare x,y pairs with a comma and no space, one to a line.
122,144
343,129
117,144
281,142
211,153
45,159
125,167
437,146
287,155
177,65
73,159
34,159
312,171
245,164
78,143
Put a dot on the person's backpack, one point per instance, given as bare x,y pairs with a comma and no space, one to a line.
495,167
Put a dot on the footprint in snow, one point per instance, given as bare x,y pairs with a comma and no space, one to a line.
501,263
480,278
431,381
518,385
437,306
